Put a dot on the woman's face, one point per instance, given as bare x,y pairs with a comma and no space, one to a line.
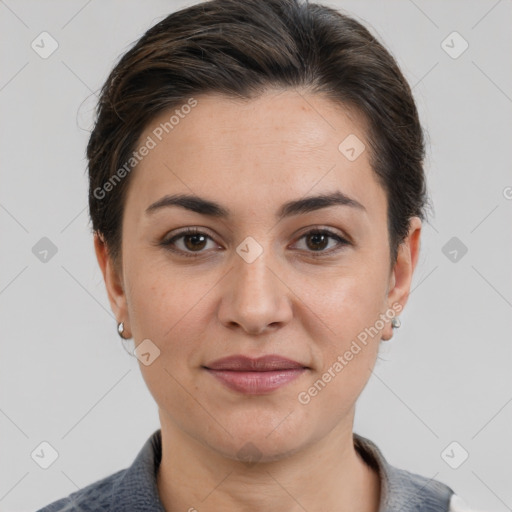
255,280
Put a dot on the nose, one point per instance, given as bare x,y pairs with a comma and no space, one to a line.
254,298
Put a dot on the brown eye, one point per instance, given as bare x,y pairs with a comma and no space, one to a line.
194,242
188,242
317,241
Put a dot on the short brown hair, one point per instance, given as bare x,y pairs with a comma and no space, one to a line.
240,48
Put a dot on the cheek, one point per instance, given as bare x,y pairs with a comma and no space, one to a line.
167,309
351,301
163,300
349,306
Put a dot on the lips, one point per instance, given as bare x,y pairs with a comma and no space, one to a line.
260,364
255,376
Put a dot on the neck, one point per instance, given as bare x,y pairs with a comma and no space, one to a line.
327,475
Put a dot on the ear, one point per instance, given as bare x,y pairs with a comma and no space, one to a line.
402,273
113,283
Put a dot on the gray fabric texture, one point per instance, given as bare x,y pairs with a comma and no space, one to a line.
135,489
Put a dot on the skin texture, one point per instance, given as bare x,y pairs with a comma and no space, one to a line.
251,157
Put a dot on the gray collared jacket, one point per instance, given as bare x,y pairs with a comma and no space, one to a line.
134,489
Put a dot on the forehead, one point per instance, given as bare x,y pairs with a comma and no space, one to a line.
279,120
280,144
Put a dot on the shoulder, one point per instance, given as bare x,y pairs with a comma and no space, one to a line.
95,497
416,492
133,488
424,494
400,489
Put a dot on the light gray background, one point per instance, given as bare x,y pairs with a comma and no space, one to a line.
67,380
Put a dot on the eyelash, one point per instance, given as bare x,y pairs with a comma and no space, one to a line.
315,254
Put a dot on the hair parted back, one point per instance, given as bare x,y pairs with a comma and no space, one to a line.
241,48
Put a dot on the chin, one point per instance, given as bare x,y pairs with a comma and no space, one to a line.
262,437
250,451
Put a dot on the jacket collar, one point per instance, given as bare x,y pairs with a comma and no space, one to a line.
137,489
400,490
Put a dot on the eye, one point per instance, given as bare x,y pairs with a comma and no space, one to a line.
191,242
188,242
317,240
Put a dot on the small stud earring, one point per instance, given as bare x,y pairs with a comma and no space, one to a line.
395,322
120,329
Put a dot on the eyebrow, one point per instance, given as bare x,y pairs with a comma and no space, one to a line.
212,209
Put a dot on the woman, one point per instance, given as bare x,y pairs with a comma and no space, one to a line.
257,195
